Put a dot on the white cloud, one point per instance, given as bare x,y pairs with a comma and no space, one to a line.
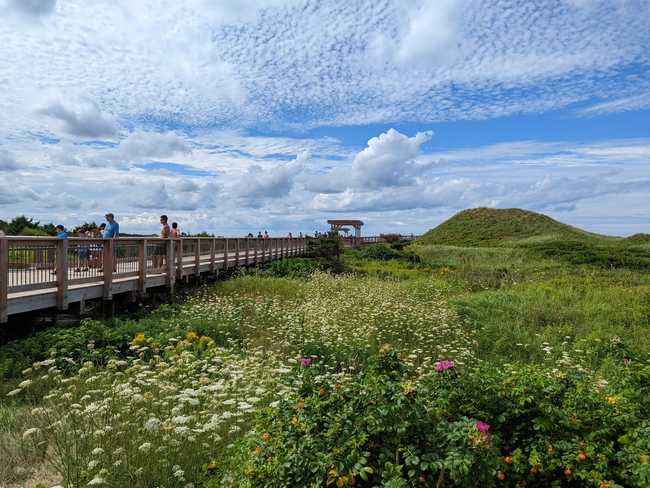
7,161
432,32
82,118
259,183
139,145
625,104
389,160
31,9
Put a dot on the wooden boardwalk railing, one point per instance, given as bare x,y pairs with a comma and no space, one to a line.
42,272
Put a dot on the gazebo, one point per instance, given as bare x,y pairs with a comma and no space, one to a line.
337,225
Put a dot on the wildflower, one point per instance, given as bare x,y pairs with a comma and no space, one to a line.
14,392
443,365
483,427
138,339
25,384
145,447
305,362
266,437
30,432
98,451
385,348
97,480
152,424
612,399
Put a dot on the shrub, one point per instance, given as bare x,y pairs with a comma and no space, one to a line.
379,252
458,426
327,251
291,268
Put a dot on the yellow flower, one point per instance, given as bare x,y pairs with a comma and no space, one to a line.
612,399
192,336
139,339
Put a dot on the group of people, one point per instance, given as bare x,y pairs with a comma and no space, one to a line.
266,235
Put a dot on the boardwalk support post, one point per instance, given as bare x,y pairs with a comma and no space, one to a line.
62,274
142,266
178,257
108,269
170,271
197,257
225,254
213,246
4,279
236,253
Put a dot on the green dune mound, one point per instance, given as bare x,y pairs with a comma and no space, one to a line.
492,227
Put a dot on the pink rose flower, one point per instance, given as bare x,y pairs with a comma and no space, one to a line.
443,365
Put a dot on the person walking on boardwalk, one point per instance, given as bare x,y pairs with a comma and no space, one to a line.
175,233
112,228
259,235
266,234
165,232
60,234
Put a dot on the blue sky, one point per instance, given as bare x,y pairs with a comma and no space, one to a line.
241,115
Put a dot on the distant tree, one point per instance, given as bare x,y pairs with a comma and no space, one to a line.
23,225
202,234
327,251
85,227
33,232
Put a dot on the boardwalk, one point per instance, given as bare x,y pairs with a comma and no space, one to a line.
39,273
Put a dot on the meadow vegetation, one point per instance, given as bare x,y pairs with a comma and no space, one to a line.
426,365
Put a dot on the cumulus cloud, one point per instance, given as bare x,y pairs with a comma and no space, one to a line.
140,145
432,32
7,161
276,182
83,118
389,160
158,197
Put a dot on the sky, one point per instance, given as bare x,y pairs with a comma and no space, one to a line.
244,115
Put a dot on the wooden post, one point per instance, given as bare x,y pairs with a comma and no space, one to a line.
62,274
237,253
108,269
4,279
264,241
179,258
213,246
170,272
225,253
248,242
197,257
257,248
142,266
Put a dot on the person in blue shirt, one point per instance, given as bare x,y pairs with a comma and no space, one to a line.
60,232
112,229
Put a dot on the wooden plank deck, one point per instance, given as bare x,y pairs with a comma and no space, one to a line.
42,273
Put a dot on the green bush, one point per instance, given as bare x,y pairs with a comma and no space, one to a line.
464,427
291,268
603,256
327,251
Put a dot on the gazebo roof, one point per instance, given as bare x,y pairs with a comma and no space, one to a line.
345,222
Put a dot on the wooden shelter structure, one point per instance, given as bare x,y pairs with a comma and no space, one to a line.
337,225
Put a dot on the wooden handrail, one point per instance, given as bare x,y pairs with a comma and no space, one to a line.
39,272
